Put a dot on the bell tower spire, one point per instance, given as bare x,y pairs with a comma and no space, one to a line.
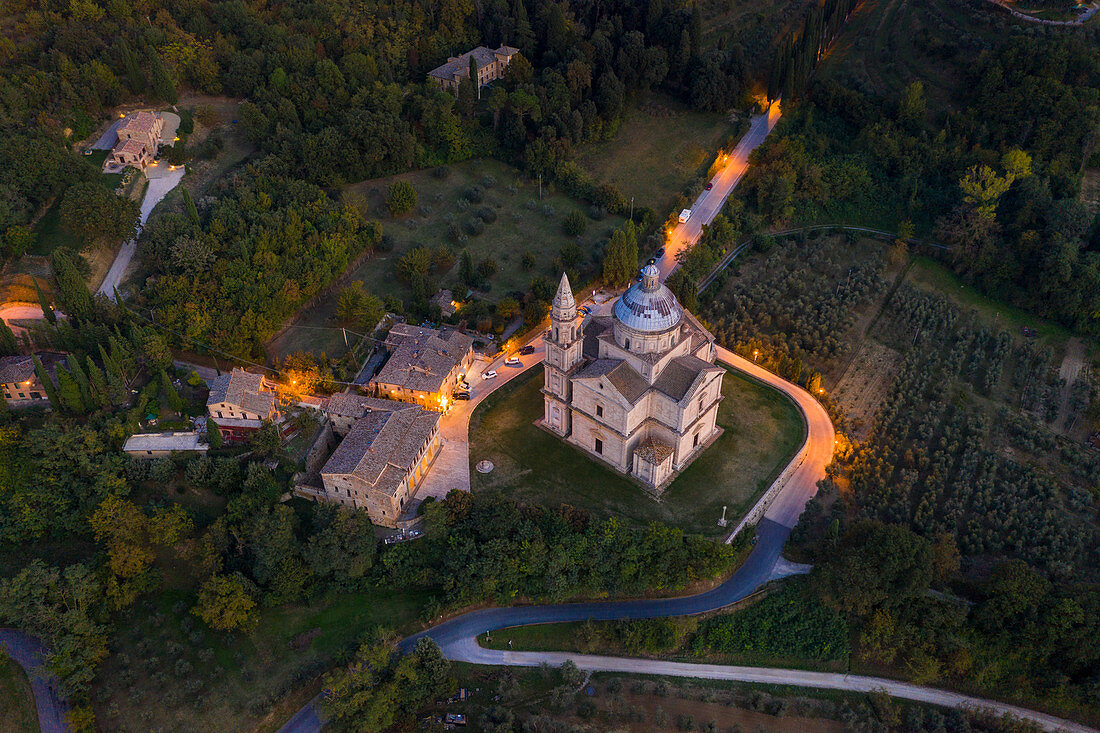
563,353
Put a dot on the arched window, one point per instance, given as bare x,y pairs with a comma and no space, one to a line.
627,345
555,333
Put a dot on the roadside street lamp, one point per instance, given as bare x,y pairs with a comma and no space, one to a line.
755,353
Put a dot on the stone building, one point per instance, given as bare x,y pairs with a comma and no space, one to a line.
637,389
490,67
164,445
387,450
424,365
240,402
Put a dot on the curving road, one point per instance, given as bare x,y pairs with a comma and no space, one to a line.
29,653
709,203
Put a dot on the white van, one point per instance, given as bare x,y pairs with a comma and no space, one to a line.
685,215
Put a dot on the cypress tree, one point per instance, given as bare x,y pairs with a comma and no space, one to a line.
8,345
44,304
68,391
171,396
82,382
122,355
47,383
163,86
116,382
133,68
213,434
72,292
189,205
100,391
473,76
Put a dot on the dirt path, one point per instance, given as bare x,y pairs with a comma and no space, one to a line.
1072,363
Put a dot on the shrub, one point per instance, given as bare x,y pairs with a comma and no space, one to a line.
474,226
400,198
441,172
488,181
574,224
474,194
487,214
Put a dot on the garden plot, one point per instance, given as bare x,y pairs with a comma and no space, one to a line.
864,384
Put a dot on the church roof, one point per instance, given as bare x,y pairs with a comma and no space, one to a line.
680,374
620,375
653,451
648,306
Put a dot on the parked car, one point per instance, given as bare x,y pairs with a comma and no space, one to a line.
527,350
709,186
661,252
584,310
513,361
461,395
685,215
489,374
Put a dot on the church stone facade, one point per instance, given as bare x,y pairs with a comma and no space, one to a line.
637,389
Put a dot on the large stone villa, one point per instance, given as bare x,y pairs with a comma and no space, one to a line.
386,451
637,389
424,365
490,67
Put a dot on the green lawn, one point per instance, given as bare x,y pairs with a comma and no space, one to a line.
658,152
762,431
17,710
928,274
168,672
524,223
49,232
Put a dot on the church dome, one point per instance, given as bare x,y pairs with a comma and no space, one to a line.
648,306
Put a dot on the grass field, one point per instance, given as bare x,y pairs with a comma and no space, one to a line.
659,152
762,431
49,232
17,711
168,672
928,274
524,223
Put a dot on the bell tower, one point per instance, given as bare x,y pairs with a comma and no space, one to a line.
563,352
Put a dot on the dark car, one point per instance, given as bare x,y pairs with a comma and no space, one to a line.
709,186
461,395
661,252
527,350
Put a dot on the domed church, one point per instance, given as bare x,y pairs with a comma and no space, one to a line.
637,389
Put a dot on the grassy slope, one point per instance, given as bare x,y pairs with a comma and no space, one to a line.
762,431
654,157
17,711
522,224
143,683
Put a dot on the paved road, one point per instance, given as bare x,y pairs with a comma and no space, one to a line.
29,653
1079,20
451,469
709,203
471,652
785,500
162,179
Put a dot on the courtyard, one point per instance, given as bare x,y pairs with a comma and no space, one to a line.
762,431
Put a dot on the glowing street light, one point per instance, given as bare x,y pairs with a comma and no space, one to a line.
755,353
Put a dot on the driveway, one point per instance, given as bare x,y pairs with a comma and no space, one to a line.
29,653
451,469
709,203
162,179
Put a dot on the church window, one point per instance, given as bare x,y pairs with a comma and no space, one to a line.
599,410
599,446
672,342
627,345
555,334
695,441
